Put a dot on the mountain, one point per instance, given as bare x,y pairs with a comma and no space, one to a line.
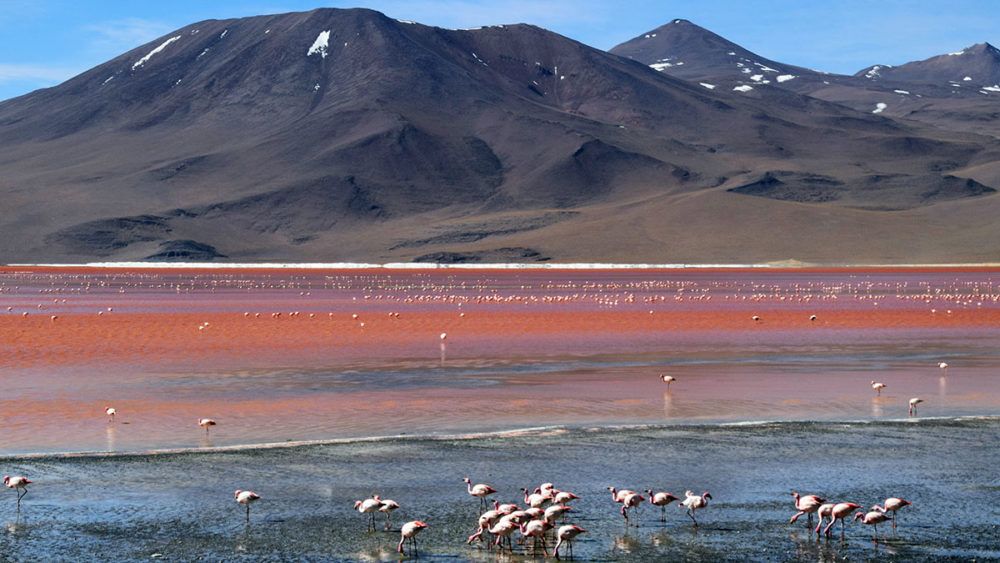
345,135
957,91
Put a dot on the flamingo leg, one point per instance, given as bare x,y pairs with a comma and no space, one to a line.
842,529
248,513
691,514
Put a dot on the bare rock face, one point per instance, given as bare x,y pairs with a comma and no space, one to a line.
339,135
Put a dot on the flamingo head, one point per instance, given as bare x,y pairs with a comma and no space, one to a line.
649,492
467,480
357,504
859,515
795,495
707,495
6,479
236,494
376,498
904,502
420,525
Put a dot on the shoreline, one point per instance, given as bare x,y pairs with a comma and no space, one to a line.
507,433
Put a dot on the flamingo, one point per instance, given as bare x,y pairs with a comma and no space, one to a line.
878,387
246,498
206,423
619,496
409,531
840,511
806,505
486,520
893,504
632,501
668,379
944,366
387,508
566,534
536,529
913,405
755,318
872,518
502,530
20,485
812,317
535,499
370,507
822,512
504,509
661,499
555,512
480,491
693,502
563,497
111,412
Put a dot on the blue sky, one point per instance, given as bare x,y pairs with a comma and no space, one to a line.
44,42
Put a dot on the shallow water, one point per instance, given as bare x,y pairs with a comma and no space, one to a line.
180,506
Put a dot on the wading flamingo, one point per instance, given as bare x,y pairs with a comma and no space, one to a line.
872,518
409,531
20,485
668,379
246,498
693,502
806,505
661,499
536,529
565,535
913,405
206,423
111,412
893,504
480,491
387,508
822,512
369,506
619,496
878,386
840,512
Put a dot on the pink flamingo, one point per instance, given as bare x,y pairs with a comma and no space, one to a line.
480,491
661,499
246,498
562,497
619,496
893,504
370,507
913,405
501,531
840,511
822,512
536,499
20,485
206,423
806,505
555,512
693,502
536,529
111,412
633,501
566,534
486,520
878,387
668,379
387,508
409,531
871,518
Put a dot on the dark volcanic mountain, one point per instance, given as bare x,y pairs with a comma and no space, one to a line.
959,91
346,135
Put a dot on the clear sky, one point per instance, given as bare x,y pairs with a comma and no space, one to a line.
43,42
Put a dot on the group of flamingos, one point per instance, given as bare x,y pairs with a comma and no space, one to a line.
877,514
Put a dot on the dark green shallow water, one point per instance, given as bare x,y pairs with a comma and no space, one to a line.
179,507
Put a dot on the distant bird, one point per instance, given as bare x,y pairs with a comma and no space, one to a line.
387,508
444,336
812,317
565,535
943,365
206,423
369,506
246,498
668,379
755,318
661,499
840,511
555,512
893,504
872,518
501,531
20,485
806,505
693,502
878,387
409,531
536,499
111,412
480,491
913,405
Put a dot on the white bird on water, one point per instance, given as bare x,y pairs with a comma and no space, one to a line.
111,412
913,405
409,531
20,484
668,379
206,423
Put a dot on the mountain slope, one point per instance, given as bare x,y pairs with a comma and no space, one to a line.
346,135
